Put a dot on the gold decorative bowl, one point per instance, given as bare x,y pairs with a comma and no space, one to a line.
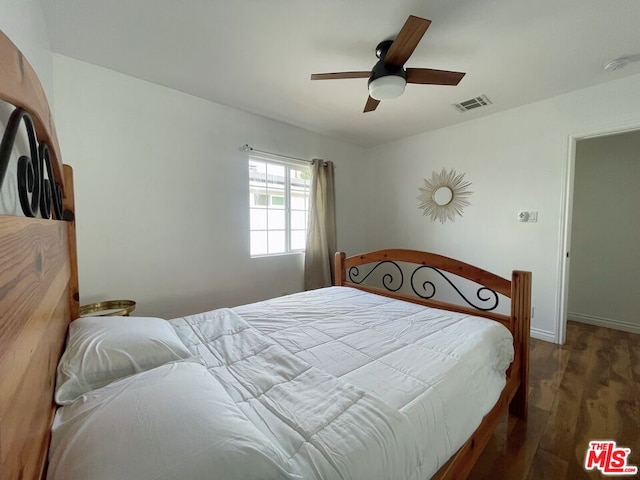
110,308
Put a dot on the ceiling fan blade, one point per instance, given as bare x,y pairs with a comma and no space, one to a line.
406,41
433,77
371,105
339,75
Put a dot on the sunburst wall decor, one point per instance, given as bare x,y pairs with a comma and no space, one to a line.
444,196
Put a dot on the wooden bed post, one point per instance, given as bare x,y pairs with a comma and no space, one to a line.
70,216
339,272
521,315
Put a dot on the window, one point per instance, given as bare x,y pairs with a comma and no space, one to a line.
278,206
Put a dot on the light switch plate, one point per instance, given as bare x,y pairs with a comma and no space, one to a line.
530,216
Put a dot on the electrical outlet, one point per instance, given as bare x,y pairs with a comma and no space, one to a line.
533,216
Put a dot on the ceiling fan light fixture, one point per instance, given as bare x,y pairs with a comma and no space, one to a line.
387,87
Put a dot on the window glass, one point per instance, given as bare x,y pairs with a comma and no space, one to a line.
298,220
298,239
259,243
277,241
276,219
258,218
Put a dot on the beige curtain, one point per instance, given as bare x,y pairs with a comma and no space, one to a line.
321,231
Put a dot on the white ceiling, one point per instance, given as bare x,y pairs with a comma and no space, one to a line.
257,55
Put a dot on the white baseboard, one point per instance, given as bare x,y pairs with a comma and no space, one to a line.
604,322
543,335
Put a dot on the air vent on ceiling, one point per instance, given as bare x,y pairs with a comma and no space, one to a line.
481,101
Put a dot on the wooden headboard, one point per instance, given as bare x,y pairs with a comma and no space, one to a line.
38,272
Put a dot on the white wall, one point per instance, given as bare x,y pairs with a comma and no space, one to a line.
515,160
162,193
603,286
23,22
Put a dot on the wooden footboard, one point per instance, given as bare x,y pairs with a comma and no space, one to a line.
513,398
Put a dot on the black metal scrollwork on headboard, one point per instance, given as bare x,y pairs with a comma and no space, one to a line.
430,286
36,192
387,279
489,298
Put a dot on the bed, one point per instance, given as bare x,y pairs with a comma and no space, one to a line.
336,380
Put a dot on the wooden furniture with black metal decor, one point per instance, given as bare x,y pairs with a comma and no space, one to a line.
514,395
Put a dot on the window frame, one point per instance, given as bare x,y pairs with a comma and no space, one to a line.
288,166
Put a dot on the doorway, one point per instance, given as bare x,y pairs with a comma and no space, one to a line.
600,259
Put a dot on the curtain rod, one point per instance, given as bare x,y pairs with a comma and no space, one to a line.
247,148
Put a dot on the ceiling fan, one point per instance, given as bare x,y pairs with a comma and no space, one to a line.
388,77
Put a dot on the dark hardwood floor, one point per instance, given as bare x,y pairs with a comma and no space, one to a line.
587,389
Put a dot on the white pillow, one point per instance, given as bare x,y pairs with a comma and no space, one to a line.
103,349
173,422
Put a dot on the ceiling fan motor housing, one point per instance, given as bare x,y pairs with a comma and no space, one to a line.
382,69
386,81
382,48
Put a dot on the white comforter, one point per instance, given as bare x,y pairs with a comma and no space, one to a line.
353,385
